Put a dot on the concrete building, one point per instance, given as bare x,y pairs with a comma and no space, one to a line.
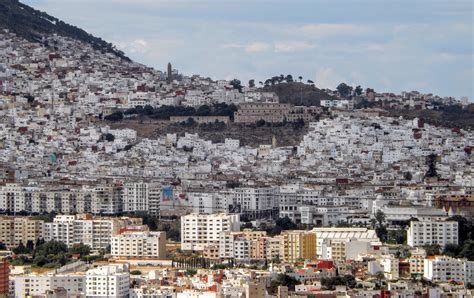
201,230
443,269
135,197
139,244
38,284
432,232
14,230
345,234
85,229
417,262
274,112
299,245
108,281
4,278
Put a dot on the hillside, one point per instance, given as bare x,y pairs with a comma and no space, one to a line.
32,24
298,93
447,116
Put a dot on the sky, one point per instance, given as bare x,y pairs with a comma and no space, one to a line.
388,45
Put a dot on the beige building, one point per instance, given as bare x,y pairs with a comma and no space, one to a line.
255,290
274,113
14,230
201,230
298,245
200,119
416,261
142,244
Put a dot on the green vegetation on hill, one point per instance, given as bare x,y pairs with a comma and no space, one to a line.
447,116
165,112
51,254
32,24
297,93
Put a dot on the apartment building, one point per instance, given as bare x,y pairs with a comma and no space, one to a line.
94,232
108,281
107,199
253,202
341,250
274,112
135,197
139,244
443,269
4,278
432,232
417,262
299,244
201,230
346,234
38,284
14,230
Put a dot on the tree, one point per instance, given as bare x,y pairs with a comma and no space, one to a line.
30,98
358,90
289,78
382,233
407,176
344,89
30,245
236,84
20,249
380,217
109,137
431,162
3,246
283,280
260,123
81,249
191,272
135,272
465,228
203,110
300,78
432,249
116,116
251,83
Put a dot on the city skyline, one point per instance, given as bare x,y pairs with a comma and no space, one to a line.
395,46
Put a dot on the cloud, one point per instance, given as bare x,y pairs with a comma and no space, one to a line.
292,46
325,30
277,47
253,47
442,58
328,78
139,46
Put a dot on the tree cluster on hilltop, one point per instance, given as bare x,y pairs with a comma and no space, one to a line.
165,112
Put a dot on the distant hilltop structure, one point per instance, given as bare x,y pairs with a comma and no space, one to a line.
169,73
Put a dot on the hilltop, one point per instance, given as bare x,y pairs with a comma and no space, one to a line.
298,93
33,24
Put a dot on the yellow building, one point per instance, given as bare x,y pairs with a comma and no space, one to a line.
299,245
14,230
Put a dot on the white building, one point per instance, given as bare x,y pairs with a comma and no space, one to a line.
342,234
444,268
75,229
135,197
108,281
432,232
37,284
139,244
201,230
